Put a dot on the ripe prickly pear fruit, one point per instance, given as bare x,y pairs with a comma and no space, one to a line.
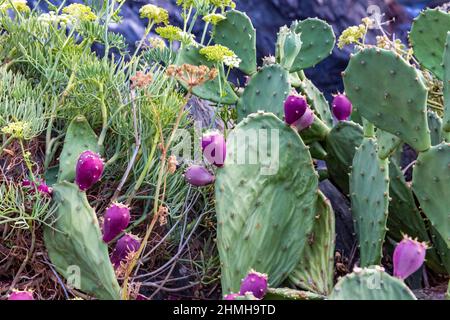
256,283
409,255
214,148
198,176
128,243
21,295
116,219
305,121
294,108
231,296
342,107
89,169
42,187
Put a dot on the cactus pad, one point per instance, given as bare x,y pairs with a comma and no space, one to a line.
369,193
371,284
75,241
435,126
79,138
209,90
291,294
404,217
237,33
266,91
431,178
315,270
318,42
387,143
428,35
341,145
389,92
264,210
317,101
447,84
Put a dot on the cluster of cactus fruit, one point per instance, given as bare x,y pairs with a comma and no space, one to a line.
275,228
265,221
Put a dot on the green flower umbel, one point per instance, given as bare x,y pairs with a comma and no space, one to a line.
221,54
170,33
19,5
154,14
80,12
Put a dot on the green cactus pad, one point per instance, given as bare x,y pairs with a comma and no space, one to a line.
428,35
369,193
79,138
431,180
318,42
74,244
317,151
291,294
441,250
447,84
435,126
318,131
266,91
315,270
404,217
264,210
209,90
387,143
317,101
371,284
341,145
388,92
237,33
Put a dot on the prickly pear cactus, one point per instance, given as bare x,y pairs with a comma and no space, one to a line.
341,145
442,251
387,143
431,178
291,294
371,284
428,35
389,92
317,101
447,84
210,90
318,41
315,270
369,193
266,204
79,138
404,217
237,33
74,244
266,91
435,126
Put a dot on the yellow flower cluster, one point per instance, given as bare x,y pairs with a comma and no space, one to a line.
224,3
80,12
154,14
185,3
18,129
157,43
354,34
214,18
170,33
19,5
217,53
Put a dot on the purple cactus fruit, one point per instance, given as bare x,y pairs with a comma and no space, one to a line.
256,283
116,219
21,295
198,176
342,107
42,187
409,255
214,148
231,296
89,169
128,243
305,121
294,108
